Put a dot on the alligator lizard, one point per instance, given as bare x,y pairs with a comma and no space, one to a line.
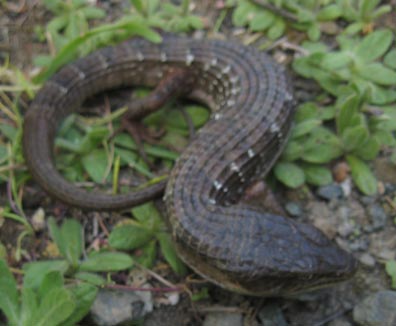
236,246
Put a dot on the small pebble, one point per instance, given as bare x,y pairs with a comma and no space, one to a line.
346,187
271,314
223,319
367,260
345,229
378,216
117,307
293,209
376,310
330,192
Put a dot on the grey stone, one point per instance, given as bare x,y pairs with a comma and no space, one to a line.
367,260
223,319
293,209
378,216
116,307
330,192
376,310
272,315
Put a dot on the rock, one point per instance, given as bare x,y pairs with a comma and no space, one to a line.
345,229
376,310
116,307
346,187
378,216
326,226
272,315
223,319
330,192
293,209
367,260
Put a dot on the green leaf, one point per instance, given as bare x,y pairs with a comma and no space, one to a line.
29,306
56,235
93,12
381,95
306,111
95,163
385,137
199,115
314,32
369,150
147,254
261,21
129,237
148,215
290,174
305,127
293,151
321,147
241,14
9,131
138,4
354,137
72,237
277,29
170,255
317,175
335,60
90,278
374,45
9,294
50,281
42,60
36,271
83,295
390,267
330,12
347,115
69,51
106,262
354,28
55,307
390,59
362,175
378,73
68,238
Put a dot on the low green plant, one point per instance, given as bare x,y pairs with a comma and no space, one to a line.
69,240
70,19
354,66
11,158
362,14
358,125
73,41
168,16
143,233
274,16
48,303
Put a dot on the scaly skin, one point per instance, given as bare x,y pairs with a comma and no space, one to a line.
236,246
